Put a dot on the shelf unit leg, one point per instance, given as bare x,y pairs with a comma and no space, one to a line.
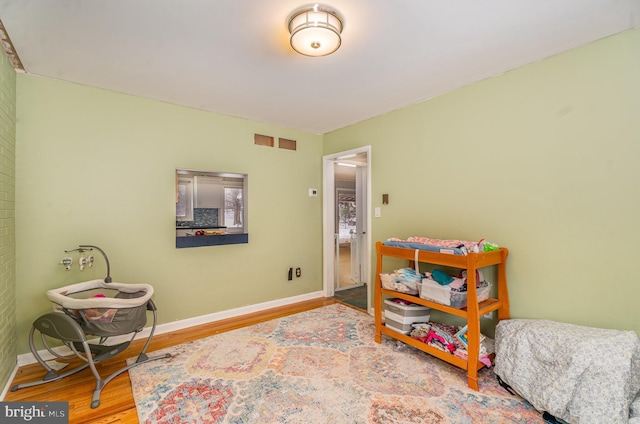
472,381
377,299
473,325
504,312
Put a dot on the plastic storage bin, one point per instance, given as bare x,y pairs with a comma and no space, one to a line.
431,290
400,314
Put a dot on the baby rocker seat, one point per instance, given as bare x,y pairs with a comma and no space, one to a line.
85,315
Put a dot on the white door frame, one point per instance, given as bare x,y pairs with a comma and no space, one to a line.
329,224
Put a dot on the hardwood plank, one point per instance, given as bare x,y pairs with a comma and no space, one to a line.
116,402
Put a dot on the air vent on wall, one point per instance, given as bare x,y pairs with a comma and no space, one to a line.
263,140
285,143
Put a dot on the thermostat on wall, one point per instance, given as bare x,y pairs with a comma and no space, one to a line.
313,192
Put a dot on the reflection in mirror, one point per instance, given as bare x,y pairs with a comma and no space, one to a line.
210,204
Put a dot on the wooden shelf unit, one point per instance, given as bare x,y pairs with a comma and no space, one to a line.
471,313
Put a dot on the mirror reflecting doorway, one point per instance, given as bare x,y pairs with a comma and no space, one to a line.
347,266
350,284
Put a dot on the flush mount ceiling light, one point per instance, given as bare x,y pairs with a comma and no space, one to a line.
315,31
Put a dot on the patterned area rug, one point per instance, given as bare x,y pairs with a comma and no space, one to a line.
319,366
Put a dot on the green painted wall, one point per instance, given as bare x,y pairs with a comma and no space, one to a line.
97,167
544,160
7,219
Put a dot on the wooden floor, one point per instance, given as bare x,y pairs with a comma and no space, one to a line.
117,404
344,279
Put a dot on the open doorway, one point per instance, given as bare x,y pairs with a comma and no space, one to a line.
346,222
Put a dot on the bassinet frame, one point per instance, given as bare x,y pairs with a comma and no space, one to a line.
71,324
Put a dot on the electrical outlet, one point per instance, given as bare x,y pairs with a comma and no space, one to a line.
298,272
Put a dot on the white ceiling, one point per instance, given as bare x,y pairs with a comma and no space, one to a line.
233,56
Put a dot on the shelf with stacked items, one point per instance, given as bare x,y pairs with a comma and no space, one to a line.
472,312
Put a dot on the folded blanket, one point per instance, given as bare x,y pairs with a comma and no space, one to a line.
435,242
454,247
404,280
576,373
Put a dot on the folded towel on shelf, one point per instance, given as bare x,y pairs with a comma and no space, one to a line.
404,280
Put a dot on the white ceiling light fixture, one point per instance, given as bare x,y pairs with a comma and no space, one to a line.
349,156
315,31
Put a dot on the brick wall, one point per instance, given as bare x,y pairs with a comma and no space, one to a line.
7,220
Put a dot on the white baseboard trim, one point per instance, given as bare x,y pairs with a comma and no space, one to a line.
28,358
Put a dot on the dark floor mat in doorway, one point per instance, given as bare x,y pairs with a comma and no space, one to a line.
356,297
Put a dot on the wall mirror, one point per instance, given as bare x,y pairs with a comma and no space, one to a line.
211,208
